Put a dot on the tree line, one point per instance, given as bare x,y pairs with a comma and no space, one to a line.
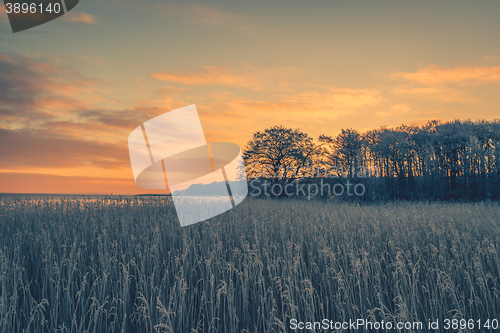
456,160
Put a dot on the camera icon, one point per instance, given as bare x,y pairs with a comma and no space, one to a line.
170,152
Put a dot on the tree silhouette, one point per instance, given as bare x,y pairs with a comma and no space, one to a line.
345,150
458,160
279,154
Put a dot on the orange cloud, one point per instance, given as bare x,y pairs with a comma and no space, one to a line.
80,17
210,75
397,109
433,75
333,102
491,58
437,93
21,148
7,58
4,20
336,99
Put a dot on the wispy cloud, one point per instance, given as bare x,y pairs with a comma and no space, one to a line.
208,75
249,77
441,94
398,109
434,75
491,58
80,17
34,90
121,119
336,99
209,16
4,19
333,103
447,85
37,147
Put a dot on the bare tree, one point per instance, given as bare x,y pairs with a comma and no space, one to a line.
345,150
280,154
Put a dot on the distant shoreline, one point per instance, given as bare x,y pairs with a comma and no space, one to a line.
82,195
58,196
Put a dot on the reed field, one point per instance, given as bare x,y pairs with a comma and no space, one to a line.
123,264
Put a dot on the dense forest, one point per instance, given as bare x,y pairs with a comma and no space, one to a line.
457,160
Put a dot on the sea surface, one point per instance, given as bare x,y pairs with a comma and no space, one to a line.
4,197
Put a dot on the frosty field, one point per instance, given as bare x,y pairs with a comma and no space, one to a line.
124,265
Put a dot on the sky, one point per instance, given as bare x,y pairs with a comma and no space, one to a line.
73,89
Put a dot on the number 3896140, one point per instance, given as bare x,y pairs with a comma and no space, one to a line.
32,8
